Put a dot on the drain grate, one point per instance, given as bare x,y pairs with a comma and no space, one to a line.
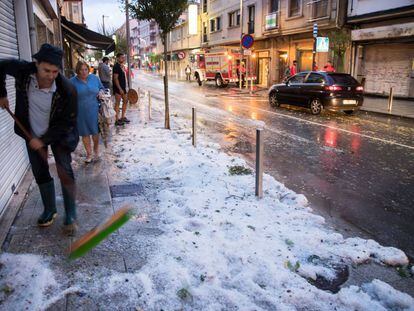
128,190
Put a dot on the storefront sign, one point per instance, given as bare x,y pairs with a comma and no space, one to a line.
271,21
322,44
192,19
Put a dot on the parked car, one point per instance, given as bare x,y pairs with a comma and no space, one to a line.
319,90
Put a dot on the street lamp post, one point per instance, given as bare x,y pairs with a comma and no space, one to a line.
103,24
241,47
128,52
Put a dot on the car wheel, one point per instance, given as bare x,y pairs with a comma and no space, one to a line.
198,79
315,106
349,112
273,100
219,81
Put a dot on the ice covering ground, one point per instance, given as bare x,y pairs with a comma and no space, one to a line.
221,248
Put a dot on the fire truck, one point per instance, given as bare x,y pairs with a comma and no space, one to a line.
222,65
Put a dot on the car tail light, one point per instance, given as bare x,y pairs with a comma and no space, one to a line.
360,88
333,88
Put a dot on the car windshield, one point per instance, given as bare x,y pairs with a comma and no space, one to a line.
343,79
297,79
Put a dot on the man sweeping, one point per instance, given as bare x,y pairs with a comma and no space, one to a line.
46,106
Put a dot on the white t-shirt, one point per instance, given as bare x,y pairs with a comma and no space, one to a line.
40,105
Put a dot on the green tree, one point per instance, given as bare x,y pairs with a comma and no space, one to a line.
339,41
165,13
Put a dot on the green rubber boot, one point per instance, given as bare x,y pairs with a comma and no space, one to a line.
47,193
69,199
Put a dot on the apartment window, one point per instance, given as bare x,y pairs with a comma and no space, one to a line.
294,8
215,24
205,38
205,6
212,25
273,6
234,18
218,23
250,24
319,8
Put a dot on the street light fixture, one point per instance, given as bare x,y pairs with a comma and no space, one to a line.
103,24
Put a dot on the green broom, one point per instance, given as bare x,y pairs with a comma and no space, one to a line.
91,239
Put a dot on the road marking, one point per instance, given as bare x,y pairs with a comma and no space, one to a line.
391,142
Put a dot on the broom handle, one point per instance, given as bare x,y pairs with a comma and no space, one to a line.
29,137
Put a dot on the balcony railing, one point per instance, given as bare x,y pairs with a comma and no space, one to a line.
272,21
318,9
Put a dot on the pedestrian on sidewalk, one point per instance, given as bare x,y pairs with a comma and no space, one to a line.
88,87
119,84
105,73
46,105
329,67
188,73
293,69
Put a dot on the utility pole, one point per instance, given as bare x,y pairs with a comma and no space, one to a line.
241,47
315,35
128,43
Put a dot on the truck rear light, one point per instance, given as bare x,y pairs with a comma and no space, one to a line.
333,88
360,88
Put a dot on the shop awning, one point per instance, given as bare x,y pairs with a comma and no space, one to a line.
82,35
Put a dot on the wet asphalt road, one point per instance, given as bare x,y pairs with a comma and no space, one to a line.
356,171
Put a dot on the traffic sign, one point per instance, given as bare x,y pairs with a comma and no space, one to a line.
322,44
315,30
181,55
247,52
247,41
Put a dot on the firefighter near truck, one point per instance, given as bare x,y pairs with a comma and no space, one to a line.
223,66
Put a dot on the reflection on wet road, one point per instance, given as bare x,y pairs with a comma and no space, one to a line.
356,171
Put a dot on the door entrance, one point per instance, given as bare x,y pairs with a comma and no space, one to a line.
283,65
305,60
264,72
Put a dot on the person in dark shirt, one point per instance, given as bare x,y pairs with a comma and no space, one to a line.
119,83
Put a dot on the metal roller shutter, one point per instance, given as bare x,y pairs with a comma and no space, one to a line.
13,157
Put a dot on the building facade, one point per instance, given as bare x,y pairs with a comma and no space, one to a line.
282,30
383,45
289,28
144,36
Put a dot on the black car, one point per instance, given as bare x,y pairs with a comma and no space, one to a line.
319,90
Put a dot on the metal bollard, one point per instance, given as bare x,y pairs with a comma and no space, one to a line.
390,99
194,134
149,105
259,163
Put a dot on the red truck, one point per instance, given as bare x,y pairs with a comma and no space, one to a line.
222,65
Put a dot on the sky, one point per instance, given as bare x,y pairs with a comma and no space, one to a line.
94,9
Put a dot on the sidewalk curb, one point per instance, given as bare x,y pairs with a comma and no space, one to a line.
382,113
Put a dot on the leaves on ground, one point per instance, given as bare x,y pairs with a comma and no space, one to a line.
289,242
239,170
404,271
291,267
184,294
